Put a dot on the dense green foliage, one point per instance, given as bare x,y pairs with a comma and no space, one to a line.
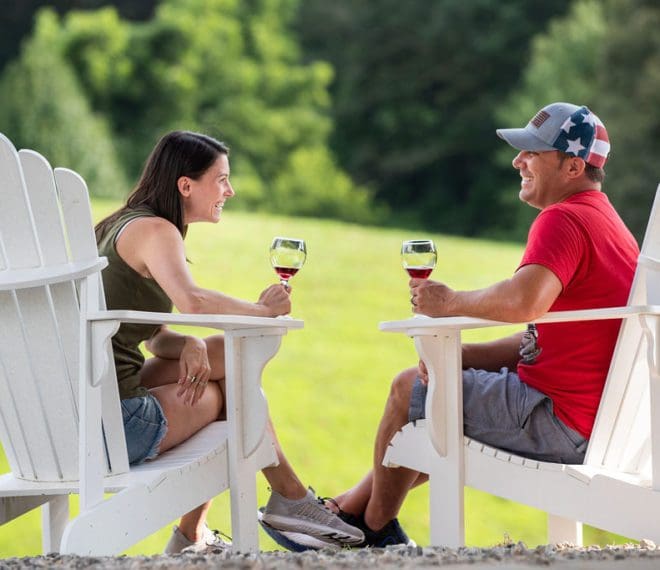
378,112
588,56
327,386
416,85
230,69
629,79
63,127
17,18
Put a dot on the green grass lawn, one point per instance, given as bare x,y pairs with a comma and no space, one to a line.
328,384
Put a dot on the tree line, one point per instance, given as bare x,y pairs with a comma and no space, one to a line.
375,112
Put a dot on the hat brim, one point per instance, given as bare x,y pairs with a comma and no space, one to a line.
522,139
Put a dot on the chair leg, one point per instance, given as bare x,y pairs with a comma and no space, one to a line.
561,530
54,518
446,498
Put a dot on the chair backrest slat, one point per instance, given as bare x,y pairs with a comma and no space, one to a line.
77,214
20,248
45,221
77,217
39,181
622,432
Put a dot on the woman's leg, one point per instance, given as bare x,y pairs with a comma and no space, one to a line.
283,478
161,375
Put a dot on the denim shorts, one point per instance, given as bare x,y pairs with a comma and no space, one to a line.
145,426
502,411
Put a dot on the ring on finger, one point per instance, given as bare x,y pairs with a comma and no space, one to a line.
193,379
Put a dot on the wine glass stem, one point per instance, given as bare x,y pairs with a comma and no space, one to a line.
284,282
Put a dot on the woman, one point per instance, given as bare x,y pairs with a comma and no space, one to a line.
171,396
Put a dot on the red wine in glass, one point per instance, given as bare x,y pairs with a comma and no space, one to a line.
418,257
286,273
419,272
287,256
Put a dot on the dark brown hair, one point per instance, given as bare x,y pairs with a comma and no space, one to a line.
179,153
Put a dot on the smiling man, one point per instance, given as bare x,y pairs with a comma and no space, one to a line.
534,394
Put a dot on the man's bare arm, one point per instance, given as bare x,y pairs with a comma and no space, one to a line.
493,355
524,297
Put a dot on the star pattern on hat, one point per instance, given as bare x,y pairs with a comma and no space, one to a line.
584,135
567,125
574,147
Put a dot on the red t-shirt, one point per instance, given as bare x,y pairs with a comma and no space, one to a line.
584,242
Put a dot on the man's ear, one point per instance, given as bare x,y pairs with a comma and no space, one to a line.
575,167
183,184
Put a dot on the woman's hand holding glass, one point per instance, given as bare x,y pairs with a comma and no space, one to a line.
194,370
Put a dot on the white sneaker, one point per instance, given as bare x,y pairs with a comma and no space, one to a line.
211,542
295,541
309,516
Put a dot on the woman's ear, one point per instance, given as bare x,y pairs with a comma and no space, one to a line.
183,184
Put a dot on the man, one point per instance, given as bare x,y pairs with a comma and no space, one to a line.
534,394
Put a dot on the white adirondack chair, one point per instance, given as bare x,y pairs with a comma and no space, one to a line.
617,488
60,418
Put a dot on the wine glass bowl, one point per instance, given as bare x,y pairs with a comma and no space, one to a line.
418,257
287,256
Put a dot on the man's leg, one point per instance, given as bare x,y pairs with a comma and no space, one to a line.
375,501
380,494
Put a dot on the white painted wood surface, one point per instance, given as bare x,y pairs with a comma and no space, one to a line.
616,489
58,389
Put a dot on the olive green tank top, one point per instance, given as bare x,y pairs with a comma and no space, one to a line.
126,289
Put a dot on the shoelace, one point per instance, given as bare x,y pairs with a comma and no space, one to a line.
220,535
338,514
324,500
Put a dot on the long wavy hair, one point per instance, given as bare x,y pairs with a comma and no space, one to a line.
179,153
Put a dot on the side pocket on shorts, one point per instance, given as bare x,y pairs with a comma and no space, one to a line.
530,400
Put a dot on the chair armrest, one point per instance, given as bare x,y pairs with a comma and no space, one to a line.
437,341
422,325
104,325
224,322
50,274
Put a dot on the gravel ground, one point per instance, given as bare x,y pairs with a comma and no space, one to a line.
517,556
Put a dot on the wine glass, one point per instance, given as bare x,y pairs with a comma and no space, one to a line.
418,257
287,256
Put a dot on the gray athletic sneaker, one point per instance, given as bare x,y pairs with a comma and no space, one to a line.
209,543
310,516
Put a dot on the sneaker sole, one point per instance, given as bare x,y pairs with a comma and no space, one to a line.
295,541
304,527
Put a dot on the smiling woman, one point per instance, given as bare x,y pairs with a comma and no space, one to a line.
169,397
205,197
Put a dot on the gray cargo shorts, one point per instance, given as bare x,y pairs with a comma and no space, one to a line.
502,411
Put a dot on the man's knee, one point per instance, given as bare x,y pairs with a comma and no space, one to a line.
401,388
215,345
